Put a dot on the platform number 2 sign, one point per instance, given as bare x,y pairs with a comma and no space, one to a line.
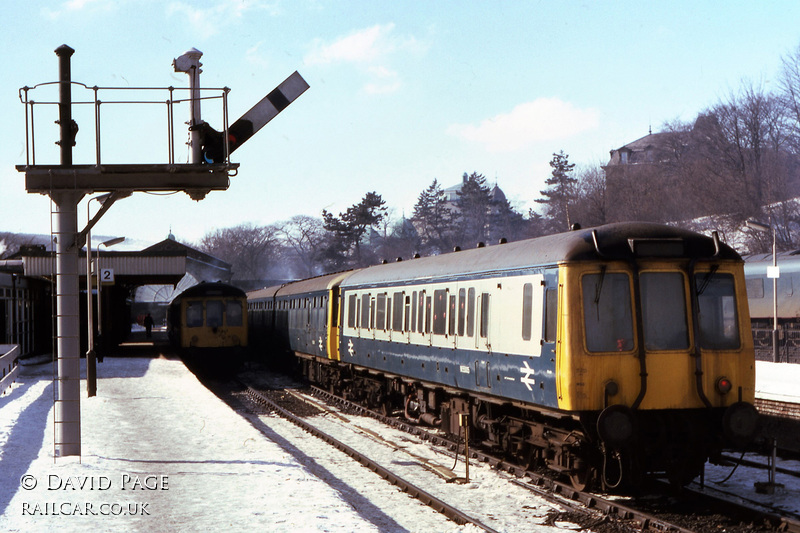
107,276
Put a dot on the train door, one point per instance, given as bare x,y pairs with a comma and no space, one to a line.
332,323
452,316
482,316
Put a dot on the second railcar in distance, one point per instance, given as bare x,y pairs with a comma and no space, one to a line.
209,320
765,306
606,354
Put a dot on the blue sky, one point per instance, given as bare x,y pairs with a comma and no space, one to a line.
402,92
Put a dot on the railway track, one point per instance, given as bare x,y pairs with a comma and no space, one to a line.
427,498
767,519
589,511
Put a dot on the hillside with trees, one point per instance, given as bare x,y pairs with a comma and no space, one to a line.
737,160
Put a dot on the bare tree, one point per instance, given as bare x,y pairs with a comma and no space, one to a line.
303,236
590,207
253,251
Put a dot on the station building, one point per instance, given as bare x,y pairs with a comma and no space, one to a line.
27,291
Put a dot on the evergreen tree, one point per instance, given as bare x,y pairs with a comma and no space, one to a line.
474,209
434,219
349,229
559,192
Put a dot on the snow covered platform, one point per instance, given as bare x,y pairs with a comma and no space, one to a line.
162,453
159,453
778,381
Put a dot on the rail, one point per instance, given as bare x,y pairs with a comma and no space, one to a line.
134,136
9,365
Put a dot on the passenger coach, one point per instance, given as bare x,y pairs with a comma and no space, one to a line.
610,352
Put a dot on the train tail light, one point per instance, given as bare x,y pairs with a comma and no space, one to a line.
724,385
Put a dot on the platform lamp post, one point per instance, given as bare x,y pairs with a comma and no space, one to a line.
91,355
110,242
774,273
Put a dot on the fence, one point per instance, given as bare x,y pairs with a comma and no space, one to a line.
8,365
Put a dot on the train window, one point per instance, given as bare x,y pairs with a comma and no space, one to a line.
388,313
664,311
527,311
607,312
214,310
194,314
233,313
755,287
439,311
351,311
484,315
407,313
365,310
397,311
413,311
451,318
471,313
427,314
380,322
785,286
421,313
462,309
719,323
550,315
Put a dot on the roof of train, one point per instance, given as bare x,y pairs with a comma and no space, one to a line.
613,242
612,239
210,289
319,283
758,263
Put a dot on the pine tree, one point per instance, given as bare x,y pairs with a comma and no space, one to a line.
349,229
434,218
560,191
474,209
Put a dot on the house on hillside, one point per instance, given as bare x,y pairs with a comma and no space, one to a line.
696,171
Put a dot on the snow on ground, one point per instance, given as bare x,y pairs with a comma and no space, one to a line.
778,381
161,453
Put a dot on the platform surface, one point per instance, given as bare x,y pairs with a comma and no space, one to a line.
159,453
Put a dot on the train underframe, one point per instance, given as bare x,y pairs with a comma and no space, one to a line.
671,444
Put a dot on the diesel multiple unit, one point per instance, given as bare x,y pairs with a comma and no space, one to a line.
607,354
